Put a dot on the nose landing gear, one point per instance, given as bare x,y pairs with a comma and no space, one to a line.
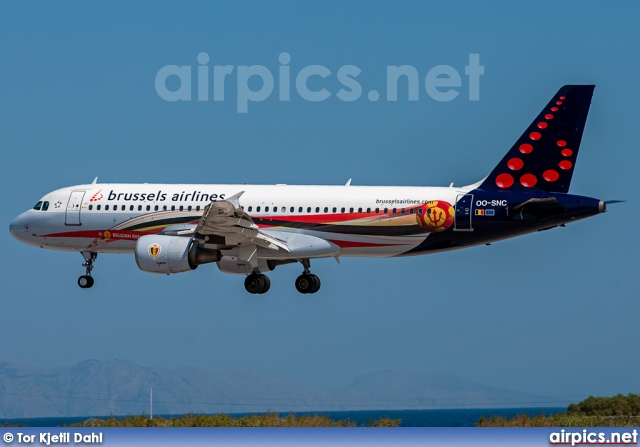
86,281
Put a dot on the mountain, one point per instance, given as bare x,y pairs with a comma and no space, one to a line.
119,387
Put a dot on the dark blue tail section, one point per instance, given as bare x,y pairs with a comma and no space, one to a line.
545,155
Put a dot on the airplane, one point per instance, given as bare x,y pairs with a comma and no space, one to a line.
252,229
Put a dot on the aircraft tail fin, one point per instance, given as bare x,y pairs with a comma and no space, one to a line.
544,157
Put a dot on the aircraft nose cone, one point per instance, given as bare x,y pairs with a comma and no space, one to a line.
19,227
13,228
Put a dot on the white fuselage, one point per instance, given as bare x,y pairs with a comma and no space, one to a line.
109,218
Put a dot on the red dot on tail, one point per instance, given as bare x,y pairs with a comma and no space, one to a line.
504,180
562,97
551,175
525,148
549,116
561,143
559,103
567,152
515,164
554,109
542,125
528,180
565,164
535,135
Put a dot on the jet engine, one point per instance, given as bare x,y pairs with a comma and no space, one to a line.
171,254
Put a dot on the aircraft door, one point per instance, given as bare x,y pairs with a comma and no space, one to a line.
464,211
72,215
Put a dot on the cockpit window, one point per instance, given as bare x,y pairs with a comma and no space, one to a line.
45,206
38,206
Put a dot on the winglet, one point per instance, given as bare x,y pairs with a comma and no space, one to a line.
95,180
348,183
235,200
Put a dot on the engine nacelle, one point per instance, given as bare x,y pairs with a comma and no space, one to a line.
171,254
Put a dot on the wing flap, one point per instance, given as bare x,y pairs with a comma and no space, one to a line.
226,218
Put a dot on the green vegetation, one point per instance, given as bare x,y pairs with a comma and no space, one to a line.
225,420
608,406
616,411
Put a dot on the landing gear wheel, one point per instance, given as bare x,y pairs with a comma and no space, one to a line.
267,284
85,282
305,283
257,283
316,283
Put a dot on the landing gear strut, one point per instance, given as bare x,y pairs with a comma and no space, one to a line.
307,282
257,283
86,281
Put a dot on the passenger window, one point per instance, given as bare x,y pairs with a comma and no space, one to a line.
394,211
386,210
377,210
173,207
308,209
148,207
115,207
156,208
411,211
317,209
98,207
300,209
359,210
131,208
181,207
124,207
90,207
402,211
106,207
189,208
45,206
250,208
369,210
139,207
335,209
326,209
258,209
266,209
38,206
420,211
198,208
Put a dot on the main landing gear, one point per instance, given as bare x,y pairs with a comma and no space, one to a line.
307,282
86,281
257,283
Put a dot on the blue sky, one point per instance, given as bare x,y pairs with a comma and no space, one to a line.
553,313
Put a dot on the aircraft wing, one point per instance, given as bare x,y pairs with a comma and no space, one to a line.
226,219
